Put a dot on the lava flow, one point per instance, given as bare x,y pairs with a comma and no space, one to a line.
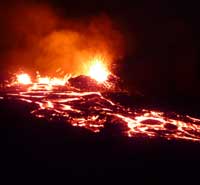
83,101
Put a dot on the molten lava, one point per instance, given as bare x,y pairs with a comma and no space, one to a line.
58,99
98,70
52,81
24,79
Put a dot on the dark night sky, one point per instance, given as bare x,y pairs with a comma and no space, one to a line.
161,40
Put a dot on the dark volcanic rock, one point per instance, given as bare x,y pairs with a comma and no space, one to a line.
170,126
84,83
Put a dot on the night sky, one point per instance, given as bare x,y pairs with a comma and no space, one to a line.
161,42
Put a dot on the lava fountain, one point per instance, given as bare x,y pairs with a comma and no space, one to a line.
98,70
24,79
84,101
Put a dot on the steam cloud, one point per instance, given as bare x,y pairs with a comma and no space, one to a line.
36,38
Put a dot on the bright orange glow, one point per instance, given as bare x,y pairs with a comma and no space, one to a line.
24,79
44,80
92,110
51,81
98,71
55,81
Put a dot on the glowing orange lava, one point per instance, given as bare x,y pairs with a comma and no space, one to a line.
98,70
57,99
24,79
52,81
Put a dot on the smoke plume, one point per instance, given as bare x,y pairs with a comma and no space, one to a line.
35,38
